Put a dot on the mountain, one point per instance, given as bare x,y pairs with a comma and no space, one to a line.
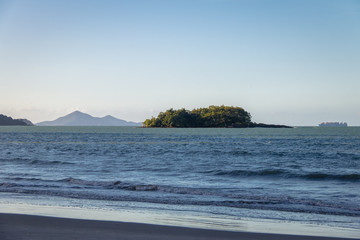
78,118
8,121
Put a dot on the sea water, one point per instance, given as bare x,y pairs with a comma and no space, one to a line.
306,175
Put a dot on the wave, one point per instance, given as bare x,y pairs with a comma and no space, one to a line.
199,197
286,174
71,183
23,179
42,162
253,152
35,161
76,183
111,184
266,172
344,177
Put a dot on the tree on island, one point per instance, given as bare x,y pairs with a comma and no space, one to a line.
8,121
211,117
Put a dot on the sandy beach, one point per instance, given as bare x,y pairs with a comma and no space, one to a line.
17,226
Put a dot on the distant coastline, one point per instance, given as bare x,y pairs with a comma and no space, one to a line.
211,117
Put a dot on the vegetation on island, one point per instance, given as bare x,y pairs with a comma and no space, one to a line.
8,121
211,117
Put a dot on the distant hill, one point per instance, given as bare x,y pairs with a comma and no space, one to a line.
8,121
78,118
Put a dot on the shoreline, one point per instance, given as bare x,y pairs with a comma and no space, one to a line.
33,227
137,214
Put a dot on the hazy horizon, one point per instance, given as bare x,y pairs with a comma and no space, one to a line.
103,116
285,62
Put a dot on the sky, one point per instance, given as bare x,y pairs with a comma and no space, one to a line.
286,62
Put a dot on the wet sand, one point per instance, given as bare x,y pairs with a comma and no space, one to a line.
19,227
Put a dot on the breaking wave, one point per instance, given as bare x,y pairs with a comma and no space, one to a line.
287,174
114,191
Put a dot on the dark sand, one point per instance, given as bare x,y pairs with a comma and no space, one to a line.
18,227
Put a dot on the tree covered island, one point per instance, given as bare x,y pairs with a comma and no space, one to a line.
9,121
211,117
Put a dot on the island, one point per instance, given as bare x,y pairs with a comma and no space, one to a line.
78,118
333,124
9,121
210,117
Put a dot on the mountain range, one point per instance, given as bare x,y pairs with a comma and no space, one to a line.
78,118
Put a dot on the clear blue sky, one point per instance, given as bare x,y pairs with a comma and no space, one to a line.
286,62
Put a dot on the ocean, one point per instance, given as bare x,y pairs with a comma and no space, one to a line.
220,177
